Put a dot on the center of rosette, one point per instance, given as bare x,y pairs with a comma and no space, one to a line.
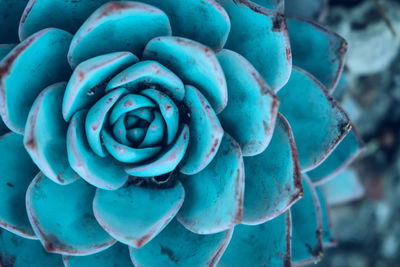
134,126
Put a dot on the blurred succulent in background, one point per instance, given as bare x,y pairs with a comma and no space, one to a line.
168,133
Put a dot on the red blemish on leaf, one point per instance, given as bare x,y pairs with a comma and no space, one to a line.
128,103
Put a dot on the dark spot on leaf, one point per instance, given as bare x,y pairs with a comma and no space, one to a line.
169,253
10,184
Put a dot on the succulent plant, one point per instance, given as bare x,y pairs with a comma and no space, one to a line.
168,133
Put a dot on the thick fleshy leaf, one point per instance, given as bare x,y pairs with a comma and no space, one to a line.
168,159
205,132
267,244
202,21
45,132
117,256
96,118
250,102
71,229
194,63
17,251
60,14
317,50
118,26
260,35
311,9
5,49
10,14
176,246
150,210
328,238
306,227
105,173
347,150
342,188
214,196
85,85
168,110
124,153
129,103
17,171
273,179
155,131
317,121
39,61
149,73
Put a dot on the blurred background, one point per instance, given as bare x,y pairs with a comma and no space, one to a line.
368,229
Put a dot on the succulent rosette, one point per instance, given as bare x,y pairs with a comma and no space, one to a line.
168,133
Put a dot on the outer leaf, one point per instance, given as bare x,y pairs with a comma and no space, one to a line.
135,215
118,26
43,53
311,9
347,150
71,229
342,188
60,14
267,244
205,133
194,63
17,170
214,196
176,246
328,238
307,227
250,102
5,49
317,50
202,21
44,137
317,121
117,256
273,179
266,45
20,252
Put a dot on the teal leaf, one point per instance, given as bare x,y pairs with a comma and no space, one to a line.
49,150
149,73
17,171
117,256
45,53
214,196
317,50
348,149
118,26
17,251
272,186
134,215
342,188
317,121
60,14
266,45
266,244
328,238
194,63
306,227
71,229
102,172
202,21
205,132
166,161
250,101
277,5
176,246
85,85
